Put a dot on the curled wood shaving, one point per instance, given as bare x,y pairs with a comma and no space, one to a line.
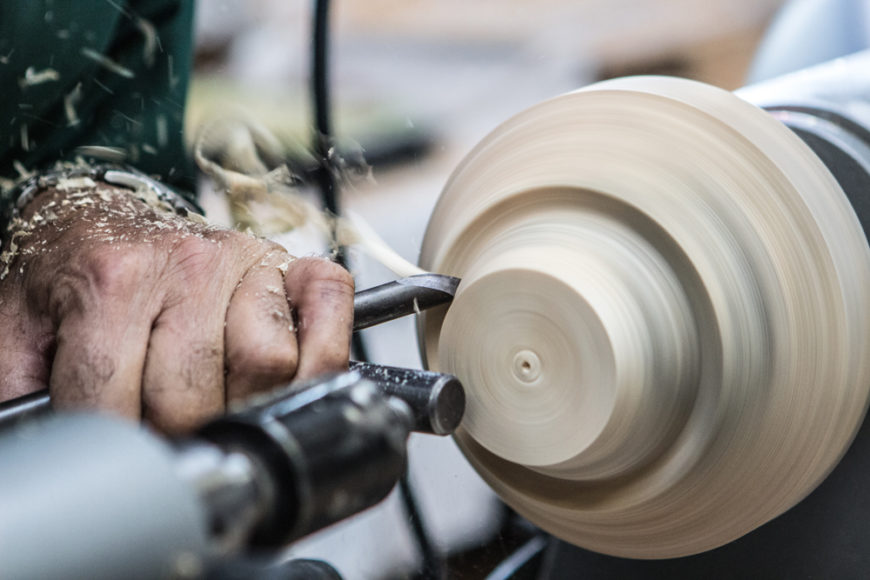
70,100
266,202
34,77
107,63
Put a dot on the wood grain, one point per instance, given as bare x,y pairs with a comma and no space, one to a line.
662,319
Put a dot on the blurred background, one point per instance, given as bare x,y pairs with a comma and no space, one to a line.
415,86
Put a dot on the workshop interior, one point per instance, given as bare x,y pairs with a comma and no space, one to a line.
612,309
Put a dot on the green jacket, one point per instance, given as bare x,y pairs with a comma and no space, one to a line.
110,73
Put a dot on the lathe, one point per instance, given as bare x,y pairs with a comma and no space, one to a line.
660,327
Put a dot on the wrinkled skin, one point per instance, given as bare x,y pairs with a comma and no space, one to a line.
121,307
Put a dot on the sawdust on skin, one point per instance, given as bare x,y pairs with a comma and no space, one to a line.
115,218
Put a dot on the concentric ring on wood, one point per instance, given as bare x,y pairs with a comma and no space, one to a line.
663,317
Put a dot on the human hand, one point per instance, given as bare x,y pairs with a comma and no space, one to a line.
118,306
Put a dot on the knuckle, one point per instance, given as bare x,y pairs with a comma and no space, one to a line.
173,423
194,256
78,382
115,273
333,289
188,389
92,277
330,278
273,248
269,365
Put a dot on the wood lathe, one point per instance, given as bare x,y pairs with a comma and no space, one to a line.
661,328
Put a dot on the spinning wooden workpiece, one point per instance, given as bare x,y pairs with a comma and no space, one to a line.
662,319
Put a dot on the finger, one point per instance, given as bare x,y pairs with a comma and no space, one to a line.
321,292
102,334
260,338
25,344
98,364
183,381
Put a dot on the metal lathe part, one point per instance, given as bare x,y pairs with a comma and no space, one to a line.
827,107
264,476
328,452
402,297
232,486
89,496
436,399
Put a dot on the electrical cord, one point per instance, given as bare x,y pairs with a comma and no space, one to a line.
433,568
324,174
324,177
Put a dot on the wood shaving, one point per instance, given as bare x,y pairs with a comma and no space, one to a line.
75,183
162,129
33,77
19,231
265,202
170,65
70,100
285,265
151,40
354,230
24,136
23,172
107,63
103,86
102,152
114,216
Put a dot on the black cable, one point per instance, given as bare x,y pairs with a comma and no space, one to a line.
432,562
324,175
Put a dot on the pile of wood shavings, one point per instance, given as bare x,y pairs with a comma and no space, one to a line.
266,202
111,216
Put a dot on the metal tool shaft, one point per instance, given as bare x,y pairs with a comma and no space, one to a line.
402,297
437,400
17,409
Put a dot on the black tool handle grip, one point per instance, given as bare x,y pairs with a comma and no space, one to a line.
436,399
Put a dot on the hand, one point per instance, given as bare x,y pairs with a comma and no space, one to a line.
118,306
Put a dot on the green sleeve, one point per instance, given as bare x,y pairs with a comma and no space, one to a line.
109,73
